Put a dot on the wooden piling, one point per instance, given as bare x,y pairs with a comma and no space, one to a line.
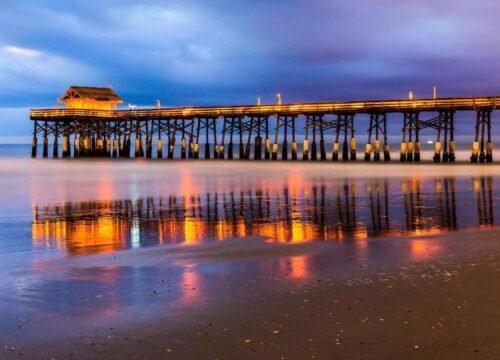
241,145
55,145
489,144
230,150
314,153
322,147
368,148
402,156
267,142
257,155
276,133
207,141
335,155
475,145
294,142
34,145
305,149
45,141
66,153
223,140
284,150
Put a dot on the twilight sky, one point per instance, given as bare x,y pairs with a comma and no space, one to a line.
199,52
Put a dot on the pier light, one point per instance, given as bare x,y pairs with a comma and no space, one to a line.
278,96
410,95
258,101
158,104
434,92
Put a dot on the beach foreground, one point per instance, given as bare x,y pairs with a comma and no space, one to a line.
441,301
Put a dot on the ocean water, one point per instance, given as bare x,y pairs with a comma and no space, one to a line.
56,216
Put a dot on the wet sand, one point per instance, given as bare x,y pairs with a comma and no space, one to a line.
442,300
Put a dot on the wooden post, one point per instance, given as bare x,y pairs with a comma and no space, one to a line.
224,128
475,145
191,141
322,148
387,154
409,145
376,148
402,157
452,156
216,147
249,139
345,147
416,121
258,141
267,142
66,146
368,148
482,155
437,150
34,142
489,144
276,133
353,140
159,142
45,142
241,147
55,152
207,141
284,150
335,156
445,140
305,150
314,153
197,144
294,143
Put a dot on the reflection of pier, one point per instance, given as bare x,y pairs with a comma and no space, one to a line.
424,214
92,126
483,189
341,211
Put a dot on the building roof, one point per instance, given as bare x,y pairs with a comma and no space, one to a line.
95,93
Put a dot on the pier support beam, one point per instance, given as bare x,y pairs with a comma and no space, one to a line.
45,141
305,149
34,142
66,153
483,125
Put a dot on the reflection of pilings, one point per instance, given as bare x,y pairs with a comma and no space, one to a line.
378,194
281,214
483,189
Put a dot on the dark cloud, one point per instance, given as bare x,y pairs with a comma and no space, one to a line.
226,51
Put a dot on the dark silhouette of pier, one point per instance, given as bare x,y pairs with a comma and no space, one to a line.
260,132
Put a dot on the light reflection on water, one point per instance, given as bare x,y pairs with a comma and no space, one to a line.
341,210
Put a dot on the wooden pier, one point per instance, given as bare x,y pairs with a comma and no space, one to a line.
91,126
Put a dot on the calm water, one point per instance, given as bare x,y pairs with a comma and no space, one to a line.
54,213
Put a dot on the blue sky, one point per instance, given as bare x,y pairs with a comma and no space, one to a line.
195,52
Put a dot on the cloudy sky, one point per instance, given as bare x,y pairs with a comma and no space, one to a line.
198,52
